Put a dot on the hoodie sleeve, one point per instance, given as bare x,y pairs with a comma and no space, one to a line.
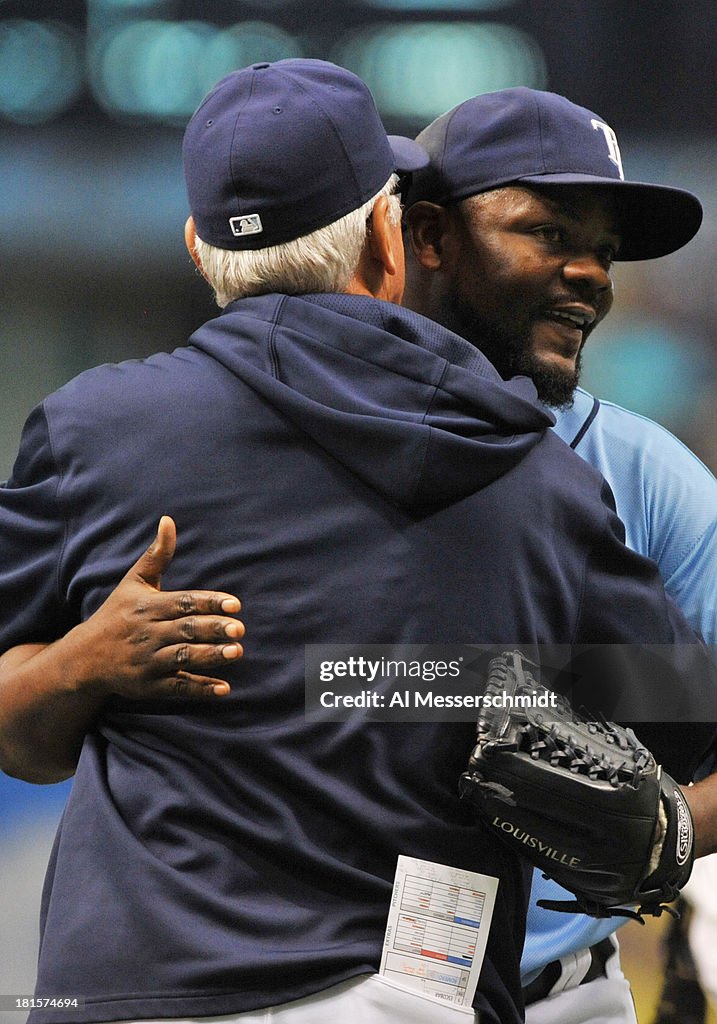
31,542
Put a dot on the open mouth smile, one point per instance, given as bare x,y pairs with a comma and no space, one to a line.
579,319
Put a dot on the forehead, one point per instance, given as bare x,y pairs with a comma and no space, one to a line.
579,203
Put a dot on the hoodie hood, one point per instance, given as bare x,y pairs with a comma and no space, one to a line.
411,409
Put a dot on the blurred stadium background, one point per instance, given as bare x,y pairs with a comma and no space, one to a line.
93,97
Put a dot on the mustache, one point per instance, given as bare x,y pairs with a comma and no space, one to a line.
598,301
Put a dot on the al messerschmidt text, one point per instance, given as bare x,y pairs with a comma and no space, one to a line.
430,699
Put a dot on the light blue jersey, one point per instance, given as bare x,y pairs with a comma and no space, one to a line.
668,501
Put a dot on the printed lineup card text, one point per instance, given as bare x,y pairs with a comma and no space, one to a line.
437,930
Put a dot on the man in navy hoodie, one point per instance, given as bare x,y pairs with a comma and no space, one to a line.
359,475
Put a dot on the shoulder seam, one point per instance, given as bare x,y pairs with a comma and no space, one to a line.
586,425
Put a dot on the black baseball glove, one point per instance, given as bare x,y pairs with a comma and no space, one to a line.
582,800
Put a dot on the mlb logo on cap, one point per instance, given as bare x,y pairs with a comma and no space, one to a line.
248,224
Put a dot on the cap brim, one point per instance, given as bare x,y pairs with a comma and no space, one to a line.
408,155
654,220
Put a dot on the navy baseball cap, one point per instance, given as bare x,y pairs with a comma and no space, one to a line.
276,151
527,136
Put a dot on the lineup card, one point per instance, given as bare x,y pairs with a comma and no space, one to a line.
437,930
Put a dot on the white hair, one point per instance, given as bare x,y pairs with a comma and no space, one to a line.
323,261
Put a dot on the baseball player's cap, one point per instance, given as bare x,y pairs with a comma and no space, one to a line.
540,138
276,151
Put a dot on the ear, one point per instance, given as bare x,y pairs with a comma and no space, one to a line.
384,239
190,239
427,225
381,270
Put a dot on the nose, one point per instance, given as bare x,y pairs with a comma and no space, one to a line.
589,268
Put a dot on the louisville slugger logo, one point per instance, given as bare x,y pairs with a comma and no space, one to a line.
521,836
684,830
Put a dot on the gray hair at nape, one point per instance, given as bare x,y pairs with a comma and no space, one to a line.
323,261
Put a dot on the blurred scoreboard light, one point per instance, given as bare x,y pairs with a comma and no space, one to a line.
41,70
125,5
417,71
438,6
161,70
149,67
243,44
153,61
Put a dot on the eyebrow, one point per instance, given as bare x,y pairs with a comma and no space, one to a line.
570,208
560,204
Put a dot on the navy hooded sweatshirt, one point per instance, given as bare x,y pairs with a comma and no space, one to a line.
355,474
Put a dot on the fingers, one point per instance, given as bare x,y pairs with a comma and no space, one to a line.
171,617
192,643
196,630
179,671
187,685
185,657
188,657
179,603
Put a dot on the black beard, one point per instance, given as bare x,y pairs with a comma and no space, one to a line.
555,387
509,353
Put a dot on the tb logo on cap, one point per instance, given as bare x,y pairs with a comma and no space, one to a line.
612,146
248,224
